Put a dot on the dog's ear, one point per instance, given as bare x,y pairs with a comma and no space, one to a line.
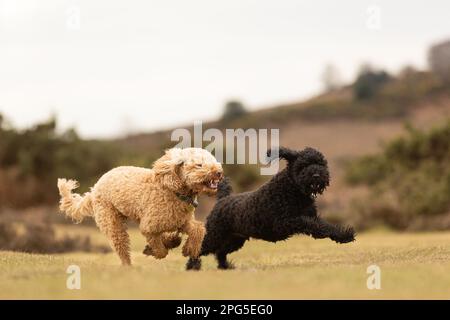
282,153
167,169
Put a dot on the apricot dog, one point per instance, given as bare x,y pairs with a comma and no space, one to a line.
161,199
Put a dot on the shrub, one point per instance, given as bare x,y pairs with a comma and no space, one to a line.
410,179
32,160
41,238
233,110
369,82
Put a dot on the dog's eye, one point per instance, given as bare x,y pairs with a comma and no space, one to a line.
198,165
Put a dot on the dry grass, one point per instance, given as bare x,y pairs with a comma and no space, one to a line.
412,265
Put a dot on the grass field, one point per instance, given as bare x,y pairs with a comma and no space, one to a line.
412,266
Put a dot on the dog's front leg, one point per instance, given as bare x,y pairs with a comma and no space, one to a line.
337,233
196,232
320,229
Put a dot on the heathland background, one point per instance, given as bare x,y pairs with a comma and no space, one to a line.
387,140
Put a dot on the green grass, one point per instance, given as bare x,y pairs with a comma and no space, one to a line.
412,265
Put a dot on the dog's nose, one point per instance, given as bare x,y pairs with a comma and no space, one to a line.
219,175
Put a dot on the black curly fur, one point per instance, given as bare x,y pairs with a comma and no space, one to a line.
224,189
281,208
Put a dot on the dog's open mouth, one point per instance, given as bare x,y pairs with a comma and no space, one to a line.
212,184
316,189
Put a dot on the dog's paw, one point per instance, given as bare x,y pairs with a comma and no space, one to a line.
147,251
194,264
347,235
172,241
161,254
226,266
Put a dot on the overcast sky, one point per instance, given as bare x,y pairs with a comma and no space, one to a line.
146,65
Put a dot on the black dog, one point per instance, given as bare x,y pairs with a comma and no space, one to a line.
282,207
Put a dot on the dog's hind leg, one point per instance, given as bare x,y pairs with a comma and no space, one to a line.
151,230
155,247
229,245
159,250
222,262
113,225
170,240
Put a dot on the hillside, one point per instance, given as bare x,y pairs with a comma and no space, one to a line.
336,123
344,124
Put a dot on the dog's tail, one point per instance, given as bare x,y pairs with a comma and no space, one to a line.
224,188
73,205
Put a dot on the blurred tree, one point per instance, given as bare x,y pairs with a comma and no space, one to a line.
408,72
408,180
5,124
369,82
233,110
439,60
331,78
31,160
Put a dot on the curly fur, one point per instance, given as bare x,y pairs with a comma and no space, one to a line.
281,208
148,196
